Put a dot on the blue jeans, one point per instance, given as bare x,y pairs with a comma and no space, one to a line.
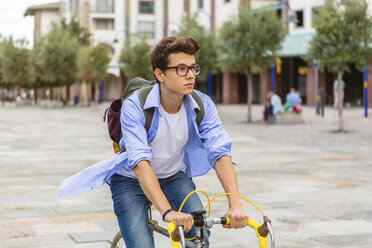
131,209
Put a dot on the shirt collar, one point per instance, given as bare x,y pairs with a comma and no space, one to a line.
153,99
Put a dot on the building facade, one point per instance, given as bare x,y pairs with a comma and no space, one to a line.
112,22
44,15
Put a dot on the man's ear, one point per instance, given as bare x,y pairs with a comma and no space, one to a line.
159,75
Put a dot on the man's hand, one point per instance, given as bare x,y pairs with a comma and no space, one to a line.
238,218
183,219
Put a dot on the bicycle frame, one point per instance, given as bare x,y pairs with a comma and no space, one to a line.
154,227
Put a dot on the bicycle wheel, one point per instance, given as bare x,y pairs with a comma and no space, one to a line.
118,241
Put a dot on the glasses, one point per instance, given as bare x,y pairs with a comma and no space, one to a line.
182,70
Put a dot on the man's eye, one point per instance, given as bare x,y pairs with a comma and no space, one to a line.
183,68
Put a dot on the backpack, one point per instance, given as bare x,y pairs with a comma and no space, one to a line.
112,113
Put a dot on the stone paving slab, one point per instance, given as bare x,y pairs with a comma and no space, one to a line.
313,183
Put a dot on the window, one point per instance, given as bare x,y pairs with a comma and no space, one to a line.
200,4
146,7
104,6
65,6
146,29
279,13
300,18
104,24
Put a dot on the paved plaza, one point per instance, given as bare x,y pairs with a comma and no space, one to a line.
314,183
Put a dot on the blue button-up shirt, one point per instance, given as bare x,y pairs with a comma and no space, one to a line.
205,145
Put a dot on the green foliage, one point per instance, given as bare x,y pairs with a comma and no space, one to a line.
100,57
249,42
93,62
207,56
137,59
36,62
73,27
58,57
342,36
84,66
16,66
1,62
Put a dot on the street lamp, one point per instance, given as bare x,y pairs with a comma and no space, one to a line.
291,19
210,79
292,15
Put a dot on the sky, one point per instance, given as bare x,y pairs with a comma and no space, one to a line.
12,21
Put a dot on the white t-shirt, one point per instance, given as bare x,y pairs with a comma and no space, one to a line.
169,143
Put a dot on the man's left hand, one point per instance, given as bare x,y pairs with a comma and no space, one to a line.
238,218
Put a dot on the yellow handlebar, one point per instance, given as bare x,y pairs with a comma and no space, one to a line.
254,224
171,228
251,223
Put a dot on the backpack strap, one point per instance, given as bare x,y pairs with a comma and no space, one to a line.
148,113
199,112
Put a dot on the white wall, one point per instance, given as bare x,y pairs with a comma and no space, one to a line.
176,11
306,6
47,17
224,11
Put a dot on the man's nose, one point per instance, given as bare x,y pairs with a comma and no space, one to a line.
190,73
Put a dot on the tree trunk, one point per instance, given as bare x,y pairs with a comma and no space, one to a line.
59,92
3,96
83,93
68,94
248,74
35,96
96,91
340,93
51,93
89,92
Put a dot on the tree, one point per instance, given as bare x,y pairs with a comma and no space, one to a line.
2,83
207,56
343,37
58,58
248,44
136,59
93,63
16,66
73,27
39,70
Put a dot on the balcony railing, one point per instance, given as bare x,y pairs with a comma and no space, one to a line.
103,8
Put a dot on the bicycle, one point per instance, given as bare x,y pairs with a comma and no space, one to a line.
200,221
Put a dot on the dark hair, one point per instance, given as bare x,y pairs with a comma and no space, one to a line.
160,53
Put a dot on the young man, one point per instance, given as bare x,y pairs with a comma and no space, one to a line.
160,163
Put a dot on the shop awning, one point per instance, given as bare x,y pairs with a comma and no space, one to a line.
295,44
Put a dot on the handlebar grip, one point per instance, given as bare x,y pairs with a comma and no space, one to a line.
173,235
225,220
262,230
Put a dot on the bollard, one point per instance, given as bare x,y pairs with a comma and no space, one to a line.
322,98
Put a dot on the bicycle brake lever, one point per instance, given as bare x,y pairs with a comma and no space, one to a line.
268,227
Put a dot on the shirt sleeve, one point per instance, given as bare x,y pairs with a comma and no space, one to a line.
134,133
214,138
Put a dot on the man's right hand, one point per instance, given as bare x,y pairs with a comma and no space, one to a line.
183,219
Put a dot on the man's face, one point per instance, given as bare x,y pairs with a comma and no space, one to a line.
172,82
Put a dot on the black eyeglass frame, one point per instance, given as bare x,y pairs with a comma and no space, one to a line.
188,68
